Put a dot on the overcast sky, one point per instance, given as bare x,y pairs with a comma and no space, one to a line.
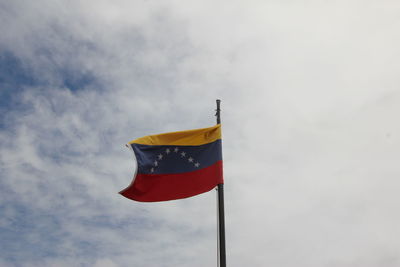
311,135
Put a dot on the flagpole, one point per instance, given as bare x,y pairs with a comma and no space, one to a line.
221,209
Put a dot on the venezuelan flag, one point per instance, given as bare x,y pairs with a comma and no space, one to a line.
176,165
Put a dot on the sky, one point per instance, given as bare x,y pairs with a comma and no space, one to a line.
310,104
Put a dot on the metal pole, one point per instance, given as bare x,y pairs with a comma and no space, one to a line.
221,209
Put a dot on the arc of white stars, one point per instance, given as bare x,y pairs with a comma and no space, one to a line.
167,151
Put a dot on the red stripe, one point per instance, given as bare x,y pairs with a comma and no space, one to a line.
163,187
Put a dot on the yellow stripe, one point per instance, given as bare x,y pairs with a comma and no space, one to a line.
182,138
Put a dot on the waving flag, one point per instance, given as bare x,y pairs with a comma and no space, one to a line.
176,165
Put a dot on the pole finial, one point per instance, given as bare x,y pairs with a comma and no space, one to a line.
218,111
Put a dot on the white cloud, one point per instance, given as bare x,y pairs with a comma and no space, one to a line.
310,102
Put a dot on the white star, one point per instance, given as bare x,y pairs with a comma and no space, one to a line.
176,149
155,163
183,154
167,150
160,156
190,159
197,164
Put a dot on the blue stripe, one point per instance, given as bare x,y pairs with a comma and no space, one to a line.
176,159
